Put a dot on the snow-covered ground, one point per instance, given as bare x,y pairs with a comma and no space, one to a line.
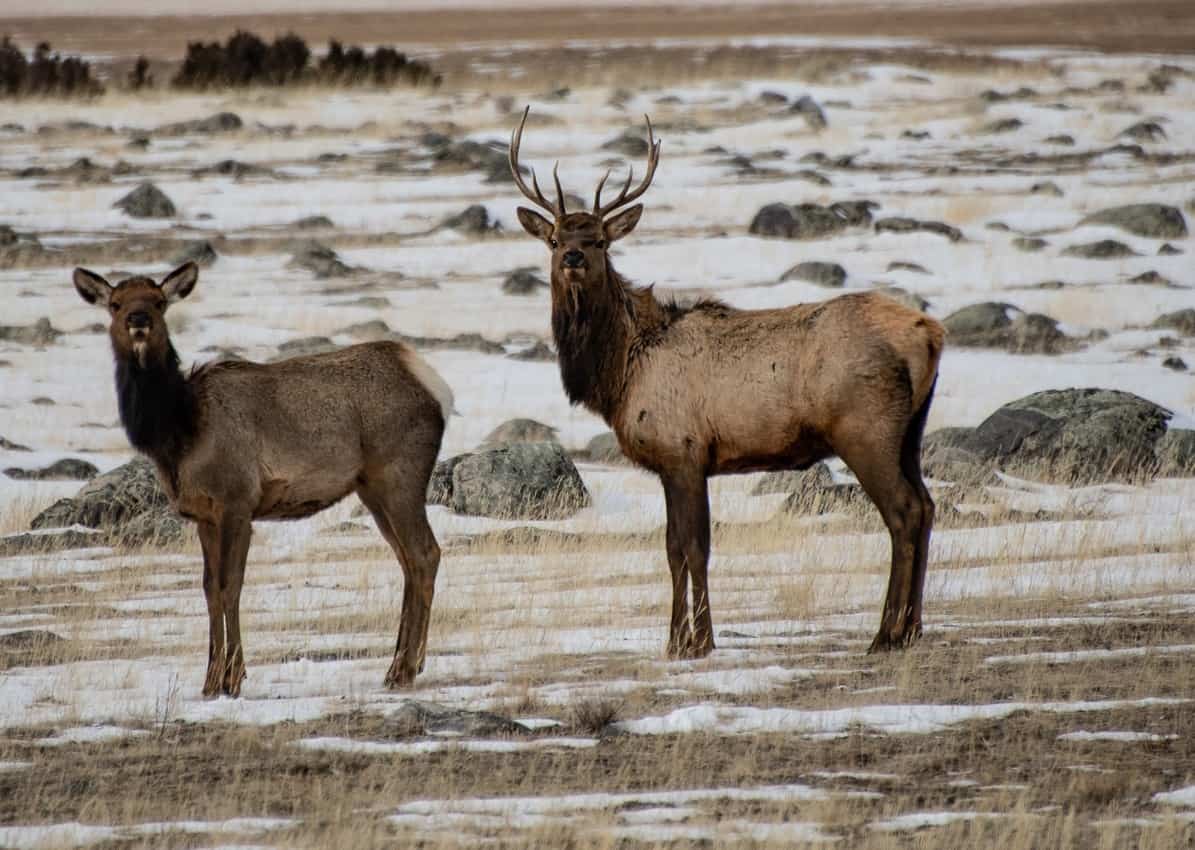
540,632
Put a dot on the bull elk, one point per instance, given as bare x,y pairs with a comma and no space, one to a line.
707,390
236,441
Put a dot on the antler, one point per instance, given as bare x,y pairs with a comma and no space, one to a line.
653,159
516,139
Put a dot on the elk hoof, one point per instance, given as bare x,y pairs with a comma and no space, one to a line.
232,682
213,683
399,679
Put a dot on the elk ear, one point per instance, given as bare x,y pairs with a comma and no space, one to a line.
536,224
178,284
623,223
91,287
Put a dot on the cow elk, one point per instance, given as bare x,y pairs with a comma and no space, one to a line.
707,390
235,441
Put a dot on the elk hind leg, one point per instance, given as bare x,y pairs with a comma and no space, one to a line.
209,539
402,519
877,465
235,532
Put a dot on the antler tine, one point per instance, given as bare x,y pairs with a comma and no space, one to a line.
597,196
559,191
653,159
516,140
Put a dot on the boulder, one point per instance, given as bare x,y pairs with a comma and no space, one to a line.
810,221
1176,454
904,266
128,504
200,252
823,274
474,219
1182,321
943,457
304,347
67,469
147,201
523,281
539,351
1029,244
313,222
1105,249
807,108
1155,221
416,718
604,448
40,332
320,260
629,143
50,540
518,481
519,431
1046,187
439,487
1145,131
9,445
995,324
813,491
1073,436
221,122
903,296
1002,125
901,224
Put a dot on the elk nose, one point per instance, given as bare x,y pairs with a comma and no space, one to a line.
138,320
573,259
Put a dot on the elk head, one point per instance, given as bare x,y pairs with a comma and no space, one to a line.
136,308
579,240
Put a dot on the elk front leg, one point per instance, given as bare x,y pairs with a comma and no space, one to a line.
209,539
235,532
688,541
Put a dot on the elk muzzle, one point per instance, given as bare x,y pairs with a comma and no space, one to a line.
138,324
573,259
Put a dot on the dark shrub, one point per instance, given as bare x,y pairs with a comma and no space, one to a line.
45,75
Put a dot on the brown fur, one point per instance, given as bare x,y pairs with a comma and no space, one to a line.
712,390
236,441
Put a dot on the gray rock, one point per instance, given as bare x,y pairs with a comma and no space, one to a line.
944,458
1175,363
1168,250
813,491
40,332
221,122
995,324
523,281
1073,436
320,260
200,252
1060,139
1029,244
474,219
439,487
127,503
1105,249
902,266
808,109
1047,187
490,158
518,481
313,222
9,445
67,469
823,274
901,224
1176,454
147,201
810,221
1145,131
1156,221
1002,125
772,98
25,640
416,718
1151,278
604,448
628,143
538,351
519,431
51,540
1182,321
903,296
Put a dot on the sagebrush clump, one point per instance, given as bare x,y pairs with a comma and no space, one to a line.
46,74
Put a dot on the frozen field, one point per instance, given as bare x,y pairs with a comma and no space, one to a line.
1048,704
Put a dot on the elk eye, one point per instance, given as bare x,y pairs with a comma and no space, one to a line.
115,306
552,242
600,244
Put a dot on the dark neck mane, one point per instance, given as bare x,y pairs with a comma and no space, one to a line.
157,407
597,330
